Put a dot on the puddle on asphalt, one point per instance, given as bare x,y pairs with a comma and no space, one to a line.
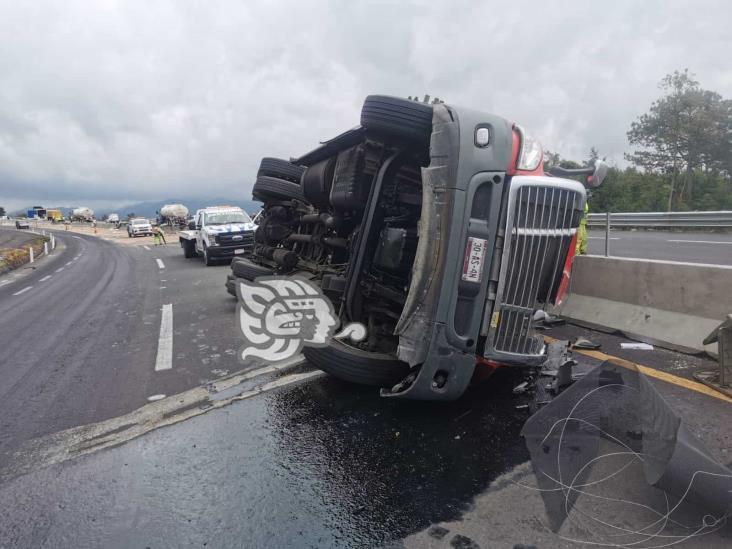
395,467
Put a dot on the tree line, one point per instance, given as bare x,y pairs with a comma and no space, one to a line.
682,159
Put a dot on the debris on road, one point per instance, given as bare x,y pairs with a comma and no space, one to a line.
608,430
637,346
584,343
720,379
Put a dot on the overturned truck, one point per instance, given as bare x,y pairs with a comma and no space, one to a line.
433,226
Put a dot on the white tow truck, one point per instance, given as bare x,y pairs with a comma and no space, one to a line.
218,232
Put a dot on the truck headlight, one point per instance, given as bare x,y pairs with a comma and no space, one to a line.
214,240
530,153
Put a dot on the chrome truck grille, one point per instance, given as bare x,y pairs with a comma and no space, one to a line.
543,214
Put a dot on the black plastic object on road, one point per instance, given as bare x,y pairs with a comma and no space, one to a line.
599,437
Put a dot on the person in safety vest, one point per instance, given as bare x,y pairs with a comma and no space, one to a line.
158,234
581,248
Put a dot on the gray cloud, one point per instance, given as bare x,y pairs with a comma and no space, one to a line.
126,101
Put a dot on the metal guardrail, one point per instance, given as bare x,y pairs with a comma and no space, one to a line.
662,219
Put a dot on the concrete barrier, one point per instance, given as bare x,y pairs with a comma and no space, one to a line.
668,303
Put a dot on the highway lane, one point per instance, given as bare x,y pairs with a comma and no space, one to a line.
312,463
320,464
76,334
13,238
81,334
691,247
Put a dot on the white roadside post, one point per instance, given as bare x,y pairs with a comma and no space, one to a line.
53,242
45,248
31,253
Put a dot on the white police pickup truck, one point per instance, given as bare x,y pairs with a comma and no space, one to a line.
218,232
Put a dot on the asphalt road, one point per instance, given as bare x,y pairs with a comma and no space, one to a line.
690,247
13,238
287,458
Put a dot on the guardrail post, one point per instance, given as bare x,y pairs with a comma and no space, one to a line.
607,234
31,253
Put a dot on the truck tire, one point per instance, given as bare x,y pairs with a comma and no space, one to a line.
248,270
280,169
397,117
317,181
356,366
230,284
189,249
207,259
271,188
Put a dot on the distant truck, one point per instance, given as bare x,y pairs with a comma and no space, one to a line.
218,232
82,214
174,215
113,218
55,216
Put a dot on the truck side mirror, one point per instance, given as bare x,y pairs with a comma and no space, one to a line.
192,225
598,176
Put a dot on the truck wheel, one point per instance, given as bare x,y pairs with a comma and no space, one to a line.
248,270
189,248
317,181
230,284
356,366
280,169
270,188
207,259
397,117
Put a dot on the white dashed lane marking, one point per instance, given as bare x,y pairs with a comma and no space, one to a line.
23,290
45,278
147,248
164,359
59,269
161,265
701,241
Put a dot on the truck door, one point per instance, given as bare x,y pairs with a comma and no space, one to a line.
199,231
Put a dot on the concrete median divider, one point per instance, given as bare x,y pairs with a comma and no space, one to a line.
668,303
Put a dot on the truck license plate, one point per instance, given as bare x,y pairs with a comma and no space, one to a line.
237,252
474,258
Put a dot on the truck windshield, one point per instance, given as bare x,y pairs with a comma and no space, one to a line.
228,217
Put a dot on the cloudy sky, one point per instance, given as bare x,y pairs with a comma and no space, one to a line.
111,102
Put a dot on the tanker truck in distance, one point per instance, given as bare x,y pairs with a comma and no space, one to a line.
175,215
82,214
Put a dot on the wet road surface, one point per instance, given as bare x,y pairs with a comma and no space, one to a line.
285,461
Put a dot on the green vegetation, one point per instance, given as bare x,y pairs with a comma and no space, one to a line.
683,159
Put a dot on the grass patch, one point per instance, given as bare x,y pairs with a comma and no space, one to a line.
12,258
